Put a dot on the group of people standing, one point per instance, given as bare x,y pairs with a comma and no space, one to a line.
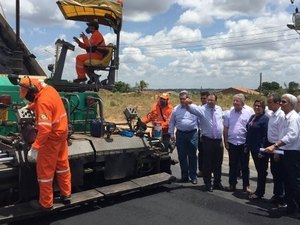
242,130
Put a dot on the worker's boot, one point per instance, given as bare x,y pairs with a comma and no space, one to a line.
93,77
79,80
65,199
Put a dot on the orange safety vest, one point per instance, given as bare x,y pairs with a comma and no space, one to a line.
51,117
161,115
95,40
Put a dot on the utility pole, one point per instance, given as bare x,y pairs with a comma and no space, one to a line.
18,54
260,80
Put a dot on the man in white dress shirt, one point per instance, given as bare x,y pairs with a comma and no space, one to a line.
276,119
289,141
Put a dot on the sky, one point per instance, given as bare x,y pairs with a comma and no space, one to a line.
179,43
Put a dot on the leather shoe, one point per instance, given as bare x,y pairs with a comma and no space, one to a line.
286,209
277,200
199,174
254,196
218,186
194,181
183,180
231,188
208,188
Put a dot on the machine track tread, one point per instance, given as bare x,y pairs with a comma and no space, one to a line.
23,211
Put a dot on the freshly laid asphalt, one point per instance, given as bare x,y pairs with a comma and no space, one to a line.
177,204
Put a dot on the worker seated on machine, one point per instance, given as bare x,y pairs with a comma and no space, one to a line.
93,47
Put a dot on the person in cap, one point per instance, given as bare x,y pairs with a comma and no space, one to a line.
50,148
161,112
93,47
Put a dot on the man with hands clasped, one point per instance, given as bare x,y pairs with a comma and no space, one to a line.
289,141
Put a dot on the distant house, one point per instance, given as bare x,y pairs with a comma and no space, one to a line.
237,90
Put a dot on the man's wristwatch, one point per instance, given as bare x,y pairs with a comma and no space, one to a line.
276,145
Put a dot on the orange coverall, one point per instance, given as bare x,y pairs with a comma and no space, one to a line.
95,40
51,142
163,116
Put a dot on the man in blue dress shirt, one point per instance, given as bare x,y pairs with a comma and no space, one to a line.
211,124
186,138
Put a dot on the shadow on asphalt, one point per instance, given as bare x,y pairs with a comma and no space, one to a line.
263,206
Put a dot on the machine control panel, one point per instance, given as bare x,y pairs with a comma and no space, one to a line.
25,115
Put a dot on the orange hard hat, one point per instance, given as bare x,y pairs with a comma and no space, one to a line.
25,84
120,2
164,96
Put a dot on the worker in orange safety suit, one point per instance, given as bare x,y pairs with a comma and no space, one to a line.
93,48
161,112
50,148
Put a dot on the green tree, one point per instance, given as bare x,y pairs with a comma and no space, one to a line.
121,86
142,85
268,87
293,87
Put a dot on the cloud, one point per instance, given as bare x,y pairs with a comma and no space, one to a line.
205,12
206,43
144,10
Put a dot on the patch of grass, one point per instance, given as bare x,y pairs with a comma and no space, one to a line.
115,103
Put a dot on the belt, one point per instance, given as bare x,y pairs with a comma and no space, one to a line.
187,131
213,139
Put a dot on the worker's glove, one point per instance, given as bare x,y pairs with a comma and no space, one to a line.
141,125
32,155
25,108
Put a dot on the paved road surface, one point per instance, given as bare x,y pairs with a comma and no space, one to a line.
176,204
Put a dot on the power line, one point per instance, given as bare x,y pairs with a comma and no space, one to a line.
180,41
235,44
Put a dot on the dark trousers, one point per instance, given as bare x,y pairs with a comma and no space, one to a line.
186,143
212,159
200,151
261,162
291,163
278,176
237,154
